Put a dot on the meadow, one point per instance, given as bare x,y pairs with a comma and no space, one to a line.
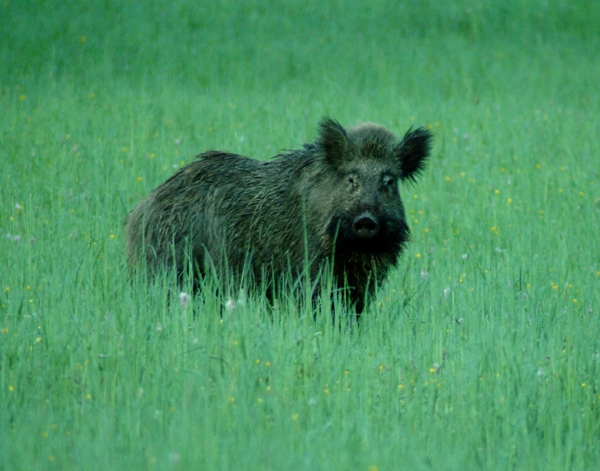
481,352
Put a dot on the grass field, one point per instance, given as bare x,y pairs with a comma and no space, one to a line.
481,352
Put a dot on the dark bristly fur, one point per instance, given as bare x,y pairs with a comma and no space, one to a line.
240,217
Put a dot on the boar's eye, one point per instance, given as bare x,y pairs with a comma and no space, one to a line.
389,181
351,180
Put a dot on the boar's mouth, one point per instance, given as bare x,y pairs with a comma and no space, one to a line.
369,234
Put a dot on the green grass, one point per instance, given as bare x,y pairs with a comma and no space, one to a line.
482,351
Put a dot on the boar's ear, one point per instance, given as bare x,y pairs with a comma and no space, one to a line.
333,140
412,152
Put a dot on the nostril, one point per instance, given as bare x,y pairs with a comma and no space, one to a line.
365,226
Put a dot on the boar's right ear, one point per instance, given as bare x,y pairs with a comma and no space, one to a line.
413,151
333,140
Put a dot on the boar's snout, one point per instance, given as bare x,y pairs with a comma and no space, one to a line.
365,226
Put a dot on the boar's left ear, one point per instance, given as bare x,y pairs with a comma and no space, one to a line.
413,151
333,140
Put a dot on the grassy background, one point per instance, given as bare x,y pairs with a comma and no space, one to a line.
482,352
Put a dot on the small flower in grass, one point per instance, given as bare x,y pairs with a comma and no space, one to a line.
15,238
424,274
464,256
184,299
242,298
230,304
295,416
541,373
447,293
159,327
